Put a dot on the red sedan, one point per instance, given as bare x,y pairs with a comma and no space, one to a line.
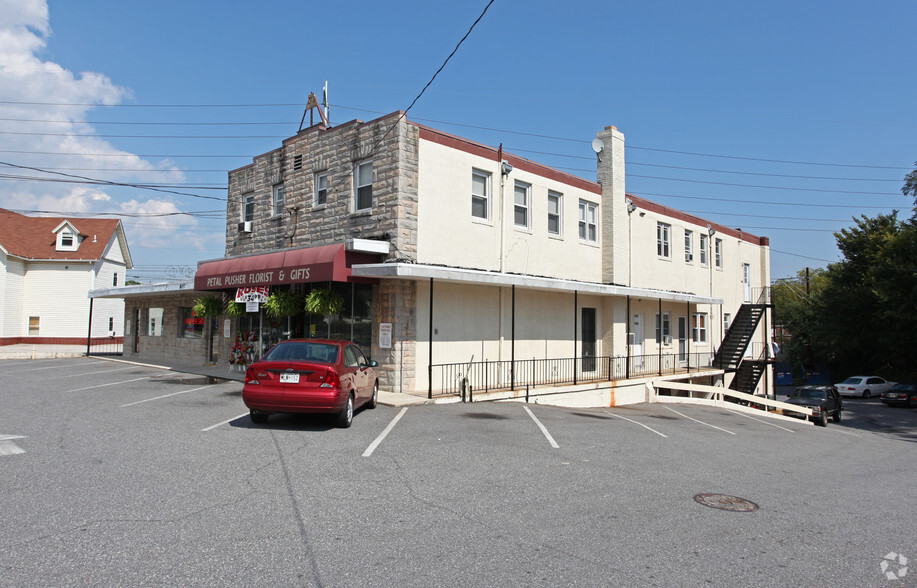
311,376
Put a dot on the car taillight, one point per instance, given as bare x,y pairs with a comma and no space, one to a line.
331,380
250,377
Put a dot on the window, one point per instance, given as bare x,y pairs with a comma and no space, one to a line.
111,324
555,201
727,320
278,199
321,189
363,181
663,329
719,253
66,239
689,246
663,243
248,208
114,279
588,226
192,327
480,194
297,162
34,323
521,194
699,328
155,322
703,249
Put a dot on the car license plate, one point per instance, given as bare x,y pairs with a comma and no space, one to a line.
289,378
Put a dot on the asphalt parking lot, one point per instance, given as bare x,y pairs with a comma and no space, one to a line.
116,474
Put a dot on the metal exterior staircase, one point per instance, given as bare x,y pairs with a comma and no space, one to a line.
730,356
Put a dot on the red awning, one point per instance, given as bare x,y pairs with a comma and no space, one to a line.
328,263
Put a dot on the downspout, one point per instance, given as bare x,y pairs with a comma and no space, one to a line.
661,338
575,331
512,348
89,334
430,352
627,341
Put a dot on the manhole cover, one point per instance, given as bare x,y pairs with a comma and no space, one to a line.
726,502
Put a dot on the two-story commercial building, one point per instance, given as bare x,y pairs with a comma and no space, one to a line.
461,265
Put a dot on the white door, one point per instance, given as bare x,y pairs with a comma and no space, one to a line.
746,281
637,348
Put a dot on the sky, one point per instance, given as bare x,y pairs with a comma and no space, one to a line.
786,119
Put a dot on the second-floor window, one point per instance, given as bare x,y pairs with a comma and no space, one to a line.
363,180
480,194
321,189
719,253
663,240
588,222
703,249
248,207
278,199
521,195
689,246
555,200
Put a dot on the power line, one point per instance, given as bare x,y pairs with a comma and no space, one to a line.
109,183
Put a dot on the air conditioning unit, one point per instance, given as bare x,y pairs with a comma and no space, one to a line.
667,340
245,227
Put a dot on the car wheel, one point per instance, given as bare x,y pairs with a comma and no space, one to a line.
258,417
374,401
867,394
837,416
345,418
822,420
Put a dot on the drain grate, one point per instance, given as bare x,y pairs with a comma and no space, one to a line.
725,502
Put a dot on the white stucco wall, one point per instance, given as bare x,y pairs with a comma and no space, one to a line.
448,234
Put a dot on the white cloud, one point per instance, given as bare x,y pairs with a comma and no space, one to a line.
45,107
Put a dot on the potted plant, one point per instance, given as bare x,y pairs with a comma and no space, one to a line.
325,302
283,303
207,308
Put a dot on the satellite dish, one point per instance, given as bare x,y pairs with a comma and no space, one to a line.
598,145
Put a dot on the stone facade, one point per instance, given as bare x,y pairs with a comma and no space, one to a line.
390,143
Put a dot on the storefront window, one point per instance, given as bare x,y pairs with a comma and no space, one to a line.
192,326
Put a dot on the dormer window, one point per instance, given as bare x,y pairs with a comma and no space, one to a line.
68,238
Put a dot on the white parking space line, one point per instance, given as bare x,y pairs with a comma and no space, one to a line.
543,429
636,423
164,396
244,414
384,433
842,431
759,420
112,384
54,367
7,447
697,421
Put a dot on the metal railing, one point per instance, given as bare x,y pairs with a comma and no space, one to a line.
105,346
488,376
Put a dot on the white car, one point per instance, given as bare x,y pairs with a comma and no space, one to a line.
865,386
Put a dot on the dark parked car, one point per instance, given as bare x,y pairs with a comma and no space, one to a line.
901,394
823,400
311,376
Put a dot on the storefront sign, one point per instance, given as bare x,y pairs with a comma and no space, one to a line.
226,328
252,294
385,335
252,306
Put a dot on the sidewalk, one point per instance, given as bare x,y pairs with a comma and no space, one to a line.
25,351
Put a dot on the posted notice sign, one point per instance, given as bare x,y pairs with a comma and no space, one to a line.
385,335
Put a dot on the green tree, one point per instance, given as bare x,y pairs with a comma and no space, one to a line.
793,309
910,187
866,316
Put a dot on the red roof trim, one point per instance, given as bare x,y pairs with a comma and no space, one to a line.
487,152
690,218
